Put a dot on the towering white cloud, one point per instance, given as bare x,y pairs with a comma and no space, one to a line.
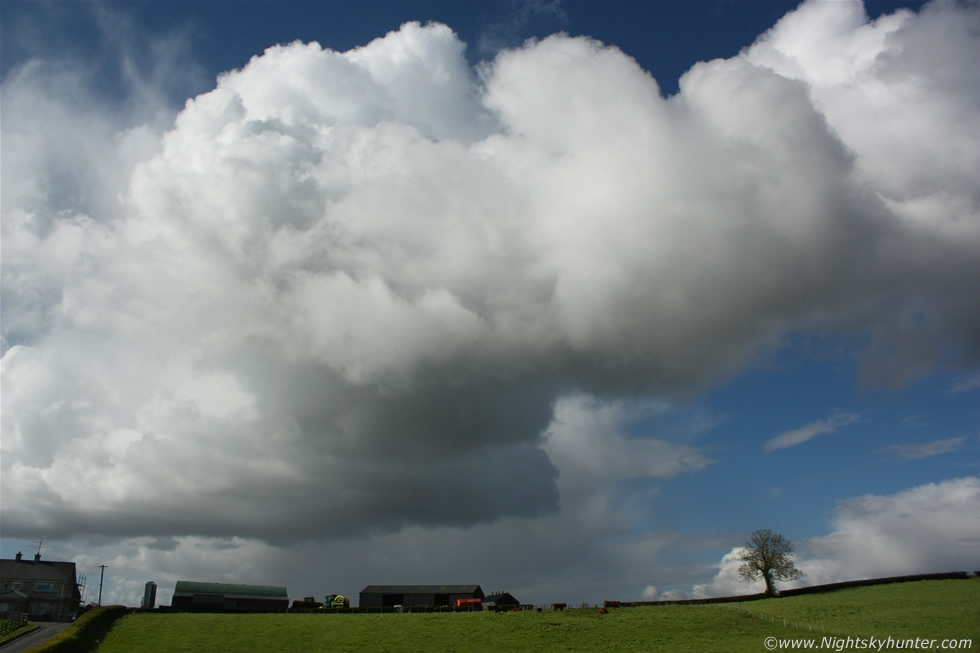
346,292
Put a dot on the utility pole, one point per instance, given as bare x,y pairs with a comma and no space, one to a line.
101,578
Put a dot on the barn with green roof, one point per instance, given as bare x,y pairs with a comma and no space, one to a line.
193,596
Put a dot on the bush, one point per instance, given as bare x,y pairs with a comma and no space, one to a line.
85,634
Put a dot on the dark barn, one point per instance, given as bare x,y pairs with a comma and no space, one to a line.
411,596
500,601
191,596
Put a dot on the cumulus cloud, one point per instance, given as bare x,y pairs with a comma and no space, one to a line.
586,440
924,529
921,529
811,430
346,293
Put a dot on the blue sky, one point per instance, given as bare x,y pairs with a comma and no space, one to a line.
580,292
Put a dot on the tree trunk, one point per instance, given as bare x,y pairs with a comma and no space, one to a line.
770,590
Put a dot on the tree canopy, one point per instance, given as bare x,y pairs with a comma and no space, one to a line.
768,556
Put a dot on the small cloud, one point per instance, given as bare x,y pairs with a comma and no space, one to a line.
650,593
967,384
512,29
811,430
924,449
913,420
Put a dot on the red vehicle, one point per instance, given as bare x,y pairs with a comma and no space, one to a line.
472,604
308,604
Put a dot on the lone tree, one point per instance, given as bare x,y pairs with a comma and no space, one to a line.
767,556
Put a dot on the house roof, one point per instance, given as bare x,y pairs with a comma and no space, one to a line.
47,570
185,587
421,589
12,595
501,597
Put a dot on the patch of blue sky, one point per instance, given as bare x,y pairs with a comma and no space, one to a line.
666,38
883,440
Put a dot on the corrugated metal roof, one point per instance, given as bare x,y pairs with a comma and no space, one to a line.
230,589
37,570
421,589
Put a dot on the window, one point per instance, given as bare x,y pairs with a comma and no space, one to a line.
40,609
17,585
43,587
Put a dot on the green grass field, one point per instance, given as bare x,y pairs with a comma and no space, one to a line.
928,609
934,609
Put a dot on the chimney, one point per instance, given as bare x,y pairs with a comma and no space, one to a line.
37,557
19,556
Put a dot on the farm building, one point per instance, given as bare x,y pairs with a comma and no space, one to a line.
41,589
191,596
386,596
500,601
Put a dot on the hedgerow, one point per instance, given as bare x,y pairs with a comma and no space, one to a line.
85,633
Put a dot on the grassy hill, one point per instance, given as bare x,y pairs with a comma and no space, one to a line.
925,609
935,609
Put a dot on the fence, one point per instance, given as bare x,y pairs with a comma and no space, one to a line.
788,623
12,623
803,626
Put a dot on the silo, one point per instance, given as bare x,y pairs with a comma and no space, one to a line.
149,595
